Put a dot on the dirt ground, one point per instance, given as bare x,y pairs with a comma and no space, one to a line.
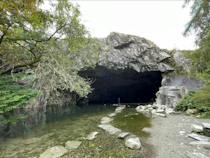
169,137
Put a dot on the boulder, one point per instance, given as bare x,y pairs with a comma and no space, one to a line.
110,129
72,144
106,120
132,142
92,136
170,95
54,152
196,128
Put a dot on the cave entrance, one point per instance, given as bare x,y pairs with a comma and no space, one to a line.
128,85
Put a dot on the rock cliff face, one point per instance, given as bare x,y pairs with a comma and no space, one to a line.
129,70
121,51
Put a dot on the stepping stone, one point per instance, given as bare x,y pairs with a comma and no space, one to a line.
120,109
106,120
54,152
196,128
123,135
110,129
206,128
203,144
132,142
72,144
92,136
112,114
198,137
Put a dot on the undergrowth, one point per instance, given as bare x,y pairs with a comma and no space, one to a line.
14,95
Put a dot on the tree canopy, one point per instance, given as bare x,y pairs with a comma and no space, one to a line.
48,37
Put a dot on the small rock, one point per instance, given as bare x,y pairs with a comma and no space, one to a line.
147,130
106,120
191,111
182,132
161,115
72,144
54,152
203,144
112,114
92,136
169,111
198,137
133,142
123,135
196,128
110,129
160,111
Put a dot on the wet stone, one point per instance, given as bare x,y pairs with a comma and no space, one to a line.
198,137
72,144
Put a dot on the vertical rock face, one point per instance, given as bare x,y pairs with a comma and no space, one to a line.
129,70
121,51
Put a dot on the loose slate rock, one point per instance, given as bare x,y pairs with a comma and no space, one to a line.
206,125
112,114
196,155
110,129
92,136
198,137
72,144
197,128
203,144
123,135
54,152
133,142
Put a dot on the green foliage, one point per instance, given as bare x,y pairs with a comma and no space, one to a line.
199,100
13,95
51,41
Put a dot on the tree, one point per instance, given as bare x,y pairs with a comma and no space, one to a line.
51,41
200,24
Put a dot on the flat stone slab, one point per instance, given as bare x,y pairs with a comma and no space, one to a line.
54,152
106,120
110,129
123,135
92,136
72,144
120,109
198,137
196,128
112,114
132,142
203,144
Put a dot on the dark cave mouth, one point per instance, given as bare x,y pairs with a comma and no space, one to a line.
127,86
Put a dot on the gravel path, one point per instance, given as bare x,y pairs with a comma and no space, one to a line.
169,137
